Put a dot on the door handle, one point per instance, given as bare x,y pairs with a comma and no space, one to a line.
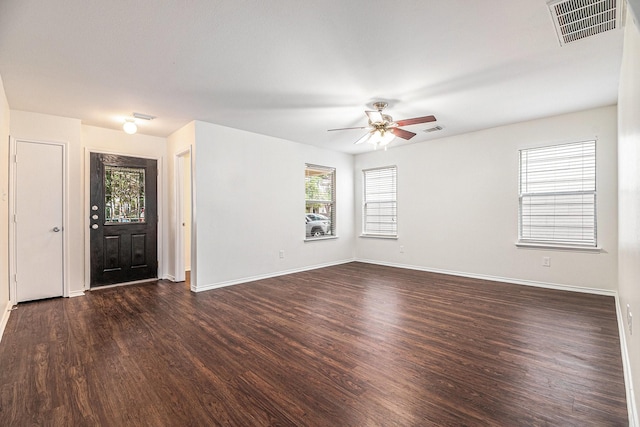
94,226
56,229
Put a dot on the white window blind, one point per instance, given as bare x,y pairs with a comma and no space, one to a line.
558,194
380,204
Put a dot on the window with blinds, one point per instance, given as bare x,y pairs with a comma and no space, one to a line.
380,204
558,195
320,201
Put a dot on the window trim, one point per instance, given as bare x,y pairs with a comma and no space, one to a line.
532,243
571,248
364,232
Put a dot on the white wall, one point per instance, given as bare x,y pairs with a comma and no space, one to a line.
458,204
181,140
4,205
629,193
250,205
117,141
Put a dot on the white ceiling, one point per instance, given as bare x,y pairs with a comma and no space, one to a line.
293,69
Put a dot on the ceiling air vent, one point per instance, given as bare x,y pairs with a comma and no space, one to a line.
577,19
143,116
433,129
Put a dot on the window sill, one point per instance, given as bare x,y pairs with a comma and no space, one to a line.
379,236
314,239
593,249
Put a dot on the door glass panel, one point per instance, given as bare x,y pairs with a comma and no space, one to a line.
124,195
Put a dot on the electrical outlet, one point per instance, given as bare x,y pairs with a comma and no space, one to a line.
401,249
546,261
281,253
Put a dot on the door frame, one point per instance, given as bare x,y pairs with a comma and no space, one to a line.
87,212
179,273
13,187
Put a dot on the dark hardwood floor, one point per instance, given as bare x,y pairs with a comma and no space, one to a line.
351,345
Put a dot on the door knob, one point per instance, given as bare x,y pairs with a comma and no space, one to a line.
56,229
94,226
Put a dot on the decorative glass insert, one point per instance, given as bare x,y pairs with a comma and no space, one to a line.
123,195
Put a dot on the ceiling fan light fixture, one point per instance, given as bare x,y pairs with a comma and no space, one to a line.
130,126
376,137
386,137
380,138
383,129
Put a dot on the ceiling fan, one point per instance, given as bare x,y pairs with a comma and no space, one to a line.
382,129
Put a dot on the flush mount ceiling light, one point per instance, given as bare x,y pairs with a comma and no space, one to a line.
130,126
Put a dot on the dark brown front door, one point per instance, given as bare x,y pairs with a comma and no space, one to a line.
124,224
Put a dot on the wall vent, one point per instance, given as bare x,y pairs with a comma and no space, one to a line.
578,19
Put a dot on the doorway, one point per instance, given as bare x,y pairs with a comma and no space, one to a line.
123,219
183,254
38,224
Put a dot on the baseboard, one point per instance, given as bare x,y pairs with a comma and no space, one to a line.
266,276
74,294
632,409
5,318
557,286
169,277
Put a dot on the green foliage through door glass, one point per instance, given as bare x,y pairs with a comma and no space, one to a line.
124,194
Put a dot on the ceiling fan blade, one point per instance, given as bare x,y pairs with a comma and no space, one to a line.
404,134
359,127
375,116
364,138
415,121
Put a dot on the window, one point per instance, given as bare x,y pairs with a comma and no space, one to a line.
380,205
558,195
320,201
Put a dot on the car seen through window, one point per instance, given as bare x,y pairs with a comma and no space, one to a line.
317,225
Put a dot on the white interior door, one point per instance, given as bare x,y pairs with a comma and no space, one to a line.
186,209
39,184
183,215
